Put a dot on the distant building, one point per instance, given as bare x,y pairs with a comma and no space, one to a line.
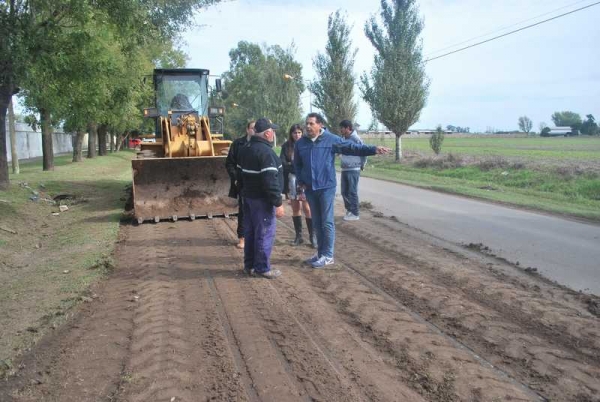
562,132
388,133
427,131
375,133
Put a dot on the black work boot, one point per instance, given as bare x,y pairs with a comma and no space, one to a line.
298,228
311,233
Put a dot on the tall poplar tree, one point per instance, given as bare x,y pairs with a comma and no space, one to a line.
397,87
334,86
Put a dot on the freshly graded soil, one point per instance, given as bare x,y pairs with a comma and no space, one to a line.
397,318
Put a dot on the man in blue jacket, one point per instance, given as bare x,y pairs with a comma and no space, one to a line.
314,158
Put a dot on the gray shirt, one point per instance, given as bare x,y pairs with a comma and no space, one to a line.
351,162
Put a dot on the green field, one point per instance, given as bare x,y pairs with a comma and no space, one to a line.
558,148
557,175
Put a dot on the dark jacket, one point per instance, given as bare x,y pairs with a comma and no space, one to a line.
260,171
231,165
288,164
314,161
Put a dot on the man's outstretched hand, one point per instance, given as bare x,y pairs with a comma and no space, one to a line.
279,211
379,150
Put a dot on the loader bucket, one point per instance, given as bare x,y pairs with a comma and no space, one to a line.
173,188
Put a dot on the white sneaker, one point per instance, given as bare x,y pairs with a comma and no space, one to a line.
321,262
351,217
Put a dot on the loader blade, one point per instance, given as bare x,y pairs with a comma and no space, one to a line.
172,188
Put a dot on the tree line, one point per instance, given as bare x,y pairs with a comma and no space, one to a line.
266,80
458,129
82,63
563,119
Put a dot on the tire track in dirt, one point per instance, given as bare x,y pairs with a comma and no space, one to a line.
268,372
423,358
179,349
297,331
300,357
499,328
342,311
540,307
232,343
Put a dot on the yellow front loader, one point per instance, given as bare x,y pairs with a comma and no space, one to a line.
182,174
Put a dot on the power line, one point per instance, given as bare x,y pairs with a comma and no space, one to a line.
505,27
511,32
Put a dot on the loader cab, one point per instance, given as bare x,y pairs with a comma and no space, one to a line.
181,115
181,91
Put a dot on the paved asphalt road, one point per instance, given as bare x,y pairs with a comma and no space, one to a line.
563,250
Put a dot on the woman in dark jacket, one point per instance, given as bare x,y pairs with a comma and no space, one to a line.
296,197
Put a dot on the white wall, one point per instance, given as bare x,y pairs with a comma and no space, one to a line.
29,142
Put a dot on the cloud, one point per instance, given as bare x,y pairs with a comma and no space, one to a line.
535,72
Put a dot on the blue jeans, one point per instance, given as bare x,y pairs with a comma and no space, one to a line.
259,234
321,209
350,190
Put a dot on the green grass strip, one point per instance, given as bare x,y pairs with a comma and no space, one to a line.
575,195
54,257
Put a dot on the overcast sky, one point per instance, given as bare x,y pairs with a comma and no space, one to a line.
554,66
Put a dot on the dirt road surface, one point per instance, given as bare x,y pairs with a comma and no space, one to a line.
396,319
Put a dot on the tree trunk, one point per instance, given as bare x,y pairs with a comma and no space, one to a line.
5,97
398,147
102,129
112,141
78,146
121,140
47,147
92,139
13,138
